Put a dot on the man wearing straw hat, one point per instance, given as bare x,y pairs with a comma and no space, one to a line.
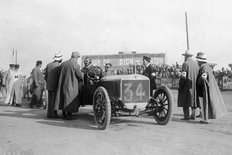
187,96
51,77
210,98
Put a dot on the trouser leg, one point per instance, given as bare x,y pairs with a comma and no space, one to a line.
193,114
49,106
53,98
186,112
204,109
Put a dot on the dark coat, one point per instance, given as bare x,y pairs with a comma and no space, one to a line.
38,77
52,75
209,90
147,72
187,96
67,98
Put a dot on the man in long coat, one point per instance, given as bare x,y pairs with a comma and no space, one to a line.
187,96
210,98
52,77
17,91
150,73
38,85
67,98
8,81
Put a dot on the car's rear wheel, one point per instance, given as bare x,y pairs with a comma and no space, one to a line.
163,105
101,108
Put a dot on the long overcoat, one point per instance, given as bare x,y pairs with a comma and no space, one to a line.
209,90
67,98
187,95
8,81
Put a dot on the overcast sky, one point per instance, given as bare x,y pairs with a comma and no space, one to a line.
39,29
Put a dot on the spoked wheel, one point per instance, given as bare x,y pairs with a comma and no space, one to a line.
101,108
163,105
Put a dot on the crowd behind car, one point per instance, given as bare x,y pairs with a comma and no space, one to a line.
167,74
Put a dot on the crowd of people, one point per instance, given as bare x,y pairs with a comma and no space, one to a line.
65,83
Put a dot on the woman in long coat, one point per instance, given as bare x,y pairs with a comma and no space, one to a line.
67,98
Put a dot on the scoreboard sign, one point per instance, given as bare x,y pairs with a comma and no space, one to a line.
125,60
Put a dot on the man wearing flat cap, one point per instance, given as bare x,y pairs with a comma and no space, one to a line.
150,73
52,77
187,95
38,85
67,95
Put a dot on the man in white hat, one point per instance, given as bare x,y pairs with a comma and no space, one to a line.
187,96
52,77
210,98
67,96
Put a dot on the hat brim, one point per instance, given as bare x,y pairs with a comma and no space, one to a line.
201,60
187,54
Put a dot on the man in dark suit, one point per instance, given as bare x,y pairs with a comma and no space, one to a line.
38,85
187,96
52,77
150,73
67,96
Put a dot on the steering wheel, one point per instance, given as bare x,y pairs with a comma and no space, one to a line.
94,73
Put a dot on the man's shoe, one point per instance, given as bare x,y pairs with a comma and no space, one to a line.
192,118
18,105
204,122
55,116
185,119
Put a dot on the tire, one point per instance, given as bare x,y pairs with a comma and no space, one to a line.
163,107
101,108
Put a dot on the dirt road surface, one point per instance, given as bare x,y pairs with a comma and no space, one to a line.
25,131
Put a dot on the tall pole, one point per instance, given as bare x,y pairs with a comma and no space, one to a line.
186,23
16,54
13,56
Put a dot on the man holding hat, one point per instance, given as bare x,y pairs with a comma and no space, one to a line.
150,73
8,81
52,77
210,98
187,96
67,96
38,85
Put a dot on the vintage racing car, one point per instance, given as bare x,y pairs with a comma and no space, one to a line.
110,95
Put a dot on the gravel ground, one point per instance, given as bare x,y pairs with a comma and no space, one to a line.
25,131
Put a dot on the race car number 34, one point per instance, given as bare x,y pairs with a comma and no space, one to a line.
135,91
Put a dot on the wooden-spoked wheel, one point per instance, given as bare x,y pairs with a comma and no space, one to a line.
163,105
101,108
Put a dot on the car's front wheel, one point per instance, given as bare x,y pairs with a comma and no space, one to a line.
101,108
